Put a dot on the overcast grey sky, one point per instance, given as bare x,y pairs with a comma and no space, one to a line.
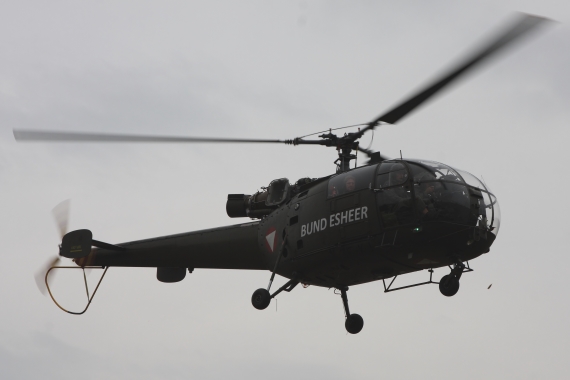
262,69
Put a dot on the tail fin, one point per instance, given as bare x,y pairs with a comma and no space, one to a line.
76,244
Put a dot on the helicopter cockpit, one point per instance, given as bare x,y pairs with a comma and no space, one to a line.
412,191
427,191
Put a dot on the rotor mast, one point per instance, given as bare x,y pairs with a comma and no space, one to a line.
344,145
344,157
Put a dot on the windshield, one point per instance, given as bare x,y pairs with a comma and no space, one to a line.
425,191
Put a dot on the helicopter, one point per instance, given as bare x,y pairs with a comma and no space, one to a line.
374,222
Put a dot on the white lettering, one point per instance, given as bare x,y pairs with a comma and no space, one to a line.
337,219
316,226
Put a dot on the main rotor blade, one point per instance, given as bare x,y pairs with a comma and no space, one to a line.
374,157
35,135
521,25
367,152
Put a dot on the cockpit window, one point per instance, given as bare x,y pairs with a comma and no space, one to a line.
471,180
391,174
453,195
357,179
421,173
422,170
395,203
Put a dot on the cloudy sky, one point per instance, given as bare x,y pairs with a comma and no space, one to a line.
267,69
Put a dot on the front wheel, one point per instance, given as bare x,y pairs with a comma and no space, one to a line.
260,299
448,285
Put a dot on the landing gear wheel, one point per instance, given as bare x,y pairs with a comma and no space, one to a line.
354,323
260,299
448,285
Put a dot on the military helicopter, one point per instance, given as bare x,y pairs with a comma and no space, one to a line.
375,222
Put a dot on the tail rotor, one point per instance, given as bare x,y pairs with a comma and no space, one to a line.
61,216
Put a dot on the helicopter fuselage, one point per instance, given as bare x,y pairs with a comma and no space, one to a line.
367,224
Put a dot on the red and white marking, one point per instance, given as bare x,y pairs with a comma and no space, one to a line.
271,238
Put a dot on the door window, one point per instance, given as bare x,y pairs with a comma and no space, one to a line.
356,179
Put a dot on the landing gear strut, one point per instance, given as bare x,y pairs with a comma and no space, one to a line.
449,284
354,322
261,298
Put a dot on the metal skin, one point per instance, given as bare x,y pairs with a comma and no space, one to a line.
231,247
359,249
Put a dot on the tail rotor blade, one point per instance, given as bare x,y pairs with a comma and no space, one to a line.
40,275
61,216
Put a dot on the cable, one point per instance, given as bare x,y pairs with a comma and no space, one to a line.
334,129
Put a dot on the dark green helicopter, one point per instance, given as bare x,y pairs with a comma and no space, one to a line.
374,222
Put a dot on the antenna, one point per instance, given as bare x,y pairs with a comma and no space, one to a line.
485,183
401,154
